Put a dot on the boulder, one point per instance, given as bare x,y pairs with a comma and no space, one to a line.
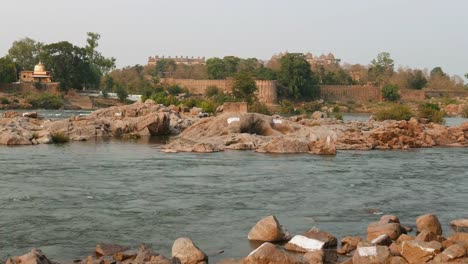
429,222
371,255
459,236
389,219
268,229
326,146
310,241
416,252
315,257
451,253
34,257
460,225
318,115
404,237
185,251
30,114
375,229
348,244
268,253
382,240
426,236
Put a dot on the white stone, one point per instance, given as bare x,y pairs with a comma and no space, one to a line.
307,243
233,119
367,251
277,121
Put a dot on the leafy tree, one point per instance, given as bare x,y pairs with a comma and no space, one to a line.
103,65
390,92
295,74
25,53
121,92
216,68
70,65
244,87
381,68
417,80
231,64
164,68
107,85
7,70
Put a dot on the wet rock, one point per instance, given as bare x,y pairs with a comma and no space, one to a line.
416,252
310,241
109,249
34,257
371,255
348,244
375,229
185,251
460,225
429,222
268,253
268,229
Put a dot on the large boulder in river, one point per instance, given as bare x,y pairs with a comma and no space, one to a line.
268,229
429,222
186,252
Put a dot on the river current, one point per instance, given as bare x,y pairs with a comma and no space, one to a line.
65,199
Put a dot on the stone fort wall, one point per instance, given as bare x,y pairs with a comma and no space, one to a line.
356,93
266,90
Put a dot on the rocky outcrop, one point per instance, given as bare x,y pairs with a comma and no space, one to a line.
138,119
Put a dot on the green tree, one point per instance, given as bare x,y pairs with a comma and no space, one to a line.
417,80
390,92
216,68
121,92
102,64
244,87
164,68
231,64
25,53
381,68
296,75
7,70
107,85
70,65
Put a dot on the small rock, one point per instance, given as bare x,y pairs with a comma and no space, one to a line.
310,241
124,255
371,255
268,229
187,252
429,222
34,257
348,244
268,253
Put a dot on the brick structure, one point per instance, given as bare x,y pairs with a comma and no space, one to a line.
356,93
152,61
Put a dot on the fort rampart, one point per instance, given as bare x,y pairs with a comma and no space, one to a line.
344,93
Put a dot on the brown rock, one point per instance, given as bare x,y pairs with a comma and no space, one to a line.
268,229
371,255
34,257
109,249
395,249
382,240
187,252
389,219
460,225
460,236
315,257
326,146
125,255
348,244
429,222
375,229
268,253
416,252
450,254
404,237
426,236
312,240
398,260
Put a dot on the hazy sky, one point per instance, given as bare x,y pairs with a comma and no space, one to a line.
417,33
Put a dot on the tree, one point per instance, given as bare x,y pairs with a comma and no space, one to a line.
231,64
390,92
244,87
103,65
438,72
25,53
121,92
466,75
164,68
417,80
107,85
7,70
295,74
216,68
381,68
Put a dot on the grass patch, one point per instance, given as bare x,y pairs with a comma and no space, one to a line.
431,112
59,137
394,112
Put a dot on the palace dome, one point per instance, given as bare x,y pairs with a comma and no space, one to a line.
39,67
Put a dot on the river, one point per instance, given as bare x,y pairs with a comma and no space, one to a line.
67,198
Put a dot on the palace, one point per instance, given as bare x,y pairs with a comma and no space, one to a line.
39,75
152,61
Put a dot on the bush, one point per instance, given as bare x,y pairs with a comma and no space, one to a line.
59,137
464,112
175,89
395,112
390,92
311,107
338,116
287,107
431,112
45,101
121,92
212,91
257,107
4,101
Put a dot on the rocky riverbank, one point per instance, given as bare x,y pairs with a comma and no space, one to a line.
387,241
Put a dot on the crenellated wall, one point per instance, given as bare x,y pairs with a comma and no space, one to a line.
344,93
266,90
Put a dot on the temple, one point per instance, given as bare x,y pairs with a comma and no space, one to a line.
39,75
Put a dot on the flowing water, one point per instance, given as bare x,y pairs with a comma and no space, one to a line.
67,198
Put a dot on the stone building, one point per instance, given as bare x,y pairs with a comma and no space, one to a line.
39,75
152,61
313,60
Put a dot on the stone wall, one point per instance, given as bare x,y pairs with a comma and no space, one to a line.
345,93
445,93
266,90
412,95
52,88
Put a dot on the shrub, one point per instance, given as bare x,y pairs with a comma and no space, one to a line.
390,92
45,101
395,112
175,89
257,107
212,91
121,92
464,112
59,137
338,116
336,109
286,107
208,106
431,112
4,100
311,107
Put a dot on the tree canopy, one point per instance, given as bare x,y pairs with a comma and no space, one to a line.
244,87
296,75
7,70
25,53
381,68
